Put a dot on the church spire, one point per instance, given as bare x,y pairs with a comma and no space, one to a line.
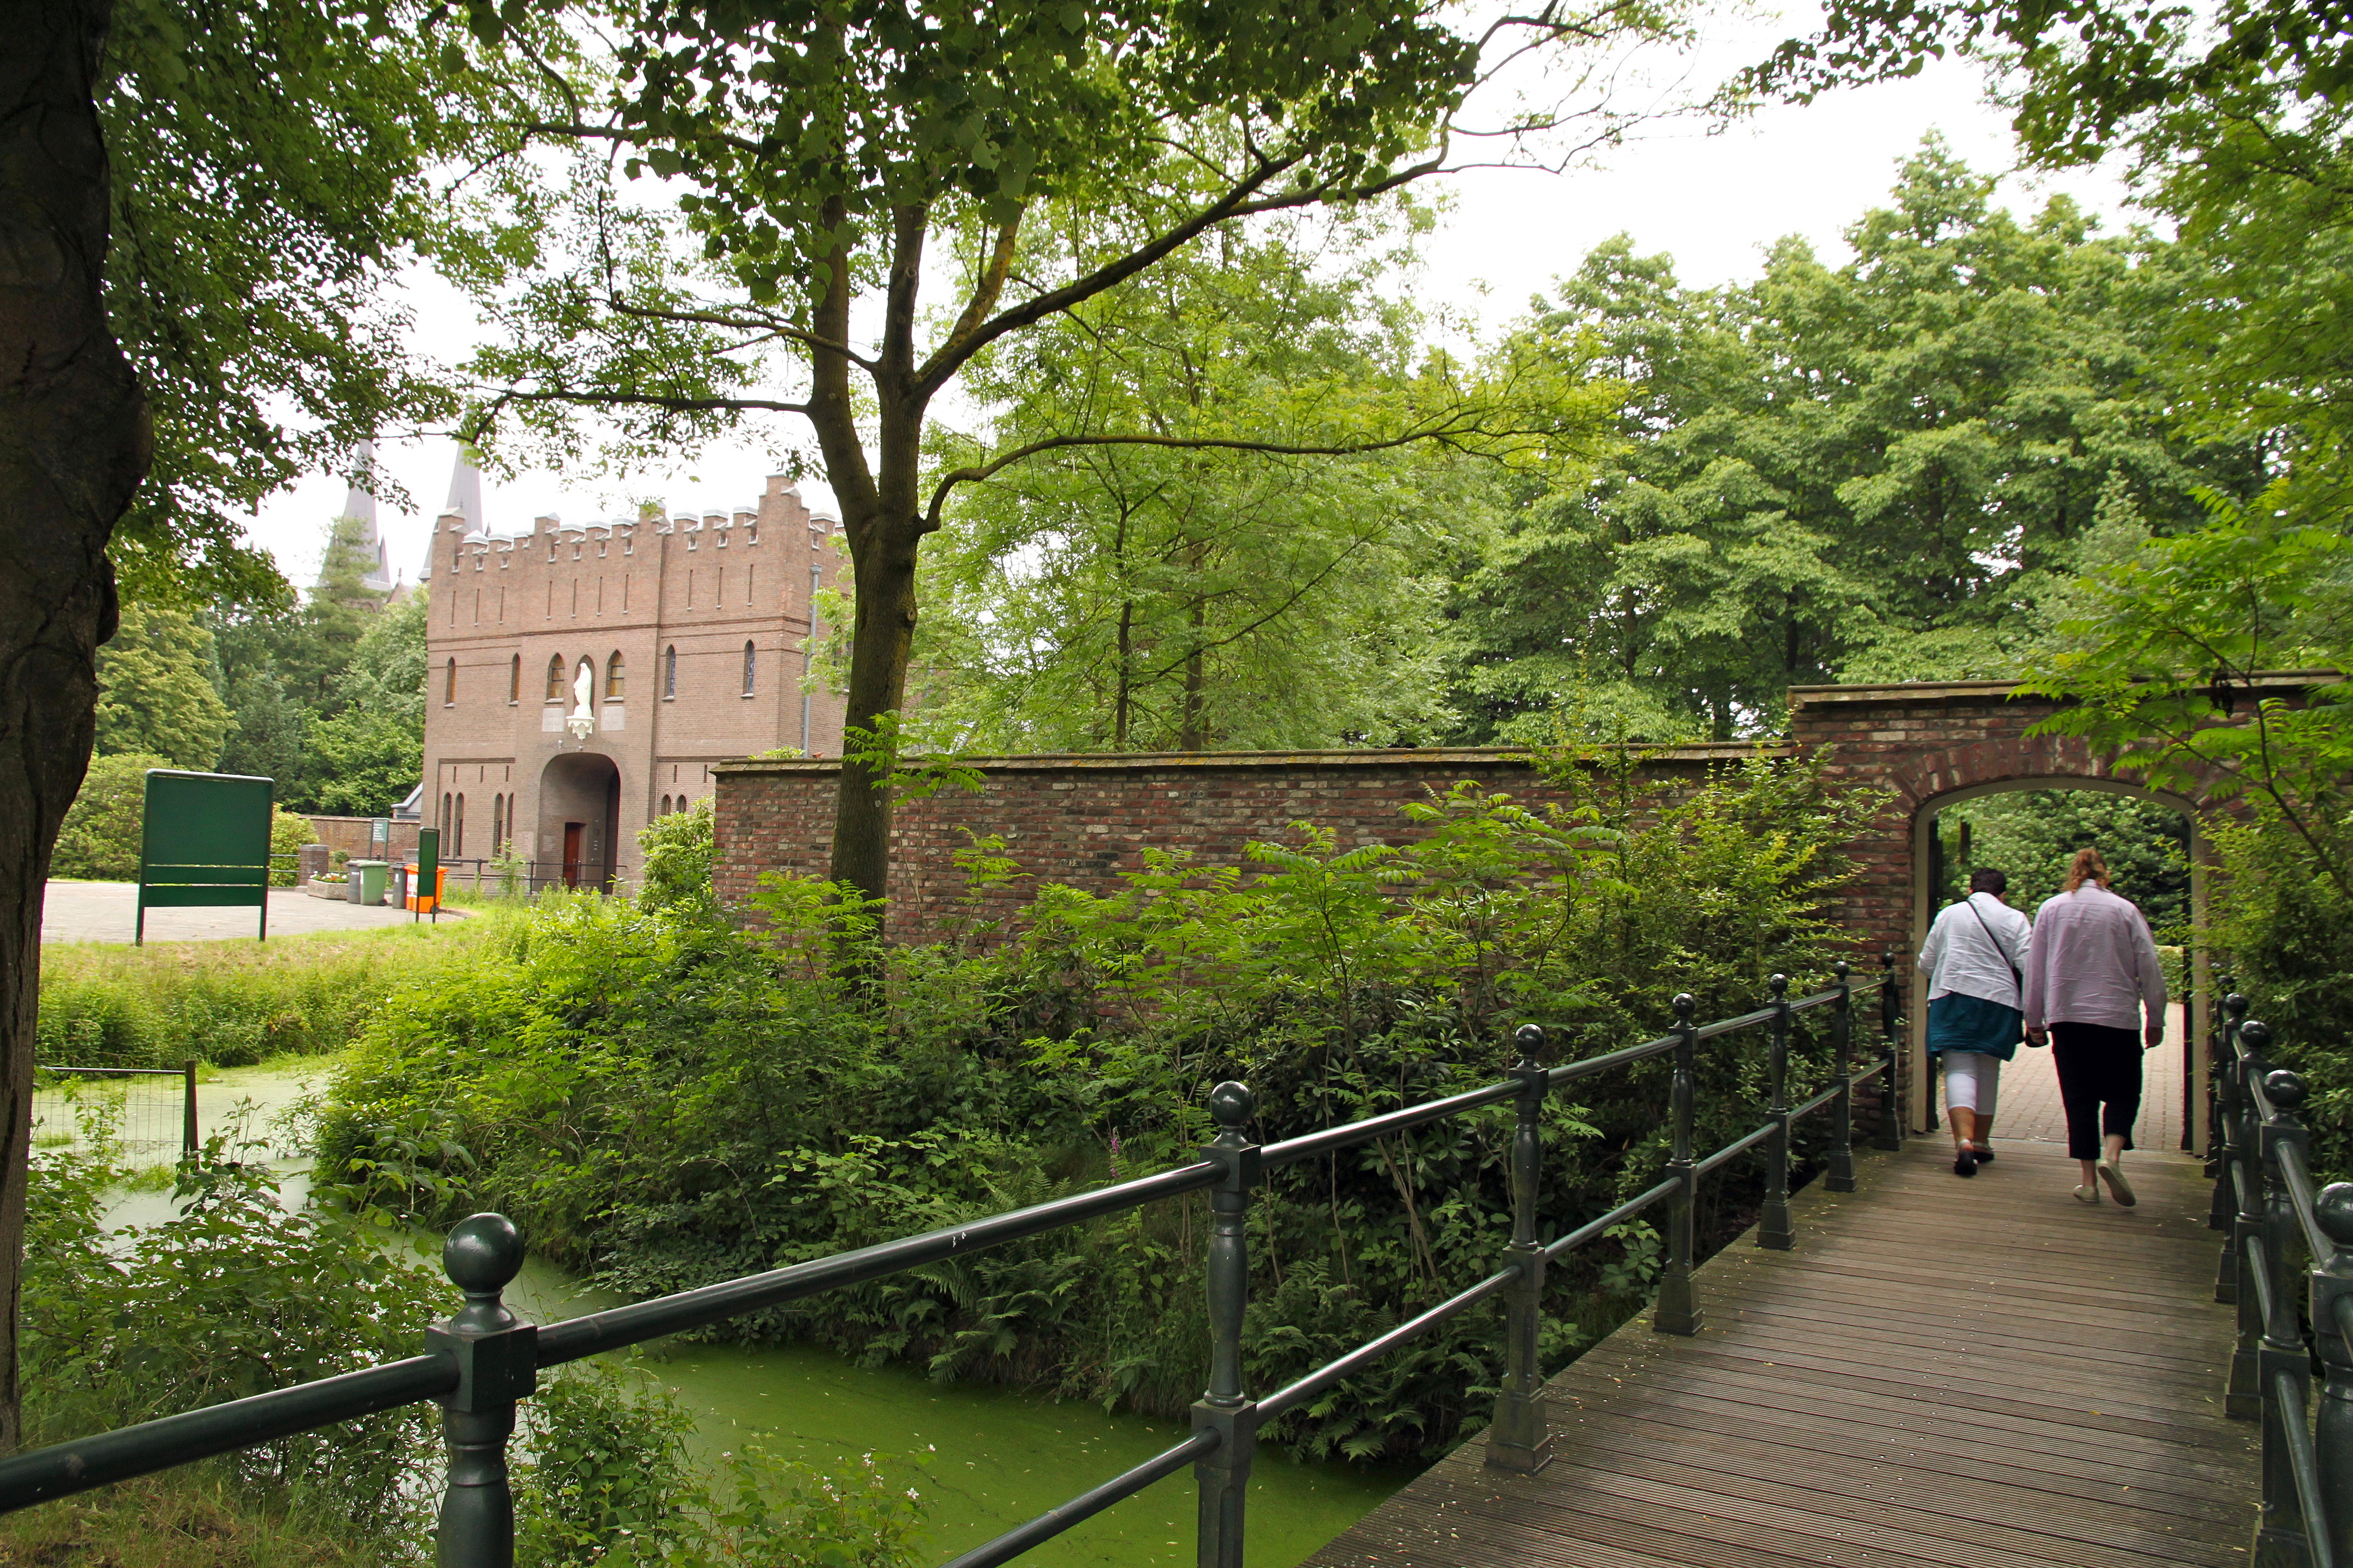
465,500
360,504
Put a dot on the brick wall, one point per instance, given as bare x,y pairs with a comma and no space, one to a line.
349,834
1083,820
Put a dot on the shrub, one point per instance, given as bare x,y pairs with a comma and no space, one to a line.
99,837
677,850
665,1101
288,833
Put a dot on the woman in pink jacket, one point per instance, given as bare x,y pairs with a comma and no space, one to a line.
2092,983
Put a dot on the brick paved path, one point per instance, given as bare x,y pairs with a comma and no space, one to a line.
2029,1095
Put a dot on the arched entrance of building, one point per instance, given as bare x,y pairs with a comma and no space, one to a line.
2187,1079
579,821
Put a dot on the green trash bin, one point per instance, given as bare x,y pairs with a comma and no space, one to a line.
368,875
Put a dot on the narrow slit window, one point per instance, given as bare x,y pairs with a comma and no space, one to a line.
670,671
514,681
450,685
751,667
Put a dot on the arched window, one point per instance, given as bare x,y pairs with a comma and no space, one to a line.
751,667
514,682
670,672
499,819
665,806
556,678
457,830
615,675
445,819
450,685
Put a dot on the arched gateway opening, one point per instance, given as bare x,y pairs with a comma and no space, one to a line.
579,821
2173,1100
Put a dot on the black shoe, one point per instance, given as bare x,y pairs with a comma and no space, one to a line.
1964,1164
1984,1156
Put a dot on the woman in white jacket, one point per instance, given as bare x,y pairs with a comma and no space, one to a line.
1973,958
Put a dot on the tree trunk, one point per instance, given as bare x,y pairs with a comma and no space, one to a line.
885,528
73,446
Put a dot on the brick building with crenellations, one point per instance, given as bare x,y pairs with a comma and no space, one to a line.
694,633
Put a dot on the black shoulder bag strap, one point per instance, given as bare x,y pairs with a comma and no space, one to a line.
2015,977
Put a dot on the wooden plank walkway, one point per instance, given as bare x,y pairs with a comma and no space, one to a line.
1943,1374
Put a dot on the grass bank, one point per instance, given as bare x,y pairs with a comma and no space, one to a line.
236,1004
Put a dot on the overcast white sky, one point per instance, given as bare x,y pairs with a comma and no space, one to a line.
1713,202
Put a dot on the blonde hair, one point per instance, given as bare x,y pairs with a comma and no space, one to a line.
2088,867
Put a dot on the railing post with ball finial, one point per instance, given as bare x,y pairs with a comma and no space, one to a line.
1773,1226
2331,1307
2243,1398
1519,1440
1887,1132
1224,1471
2282,1364
1675,1313
497,1363
2226,1100
1840,1176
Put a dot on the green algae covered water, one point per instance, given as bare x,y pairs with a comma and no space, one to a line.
984,1458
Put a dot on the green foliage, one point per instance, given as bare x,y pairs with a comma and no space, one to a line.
607,1472
1876,472
155,690
233,1297
1252,595
289,833
100,839
330,699
2162,661
2032,836
677,852
835,1094
253,234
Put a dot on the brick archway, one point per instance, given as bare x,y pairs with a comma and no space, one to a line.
1937,746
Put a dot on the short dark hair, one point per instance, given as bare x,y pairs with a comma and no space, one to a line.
1986,879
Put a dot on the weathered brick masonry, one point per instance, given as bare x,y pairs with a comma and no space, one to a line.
1083,820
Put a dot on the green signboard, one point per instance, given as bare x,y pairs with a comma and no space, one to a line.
426,892
205,844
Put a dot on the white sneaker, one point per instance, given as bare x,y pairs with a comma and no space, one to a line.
2118,1188
2087,1195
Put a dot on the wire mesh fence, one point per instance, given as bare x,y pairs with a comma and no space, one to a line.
139,1116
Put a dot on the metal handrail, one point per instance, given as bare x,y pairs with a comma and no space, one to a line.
482,1360
2266,1199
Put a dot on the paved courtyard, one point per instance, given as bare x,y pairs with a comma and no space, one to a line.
108,912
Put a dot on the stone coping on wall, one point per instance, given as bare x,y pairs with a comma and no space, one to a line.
1920,691
1401,756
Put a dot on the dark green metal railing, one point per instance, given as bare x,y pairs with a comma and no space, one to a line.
2284,1236
484,1359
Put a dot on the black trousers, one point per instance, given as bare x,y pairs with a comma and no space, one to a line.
2099,1083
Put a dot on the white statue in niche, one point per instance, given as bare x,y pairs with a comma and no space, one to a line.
583,722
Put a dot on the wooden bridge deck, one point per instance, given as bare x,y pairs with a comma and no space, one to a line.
1951,1374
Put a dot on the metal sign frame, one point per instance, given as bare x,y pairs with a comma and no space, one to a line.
204,843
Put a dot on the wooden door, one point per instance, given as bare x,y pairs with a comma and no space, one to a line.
572,832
